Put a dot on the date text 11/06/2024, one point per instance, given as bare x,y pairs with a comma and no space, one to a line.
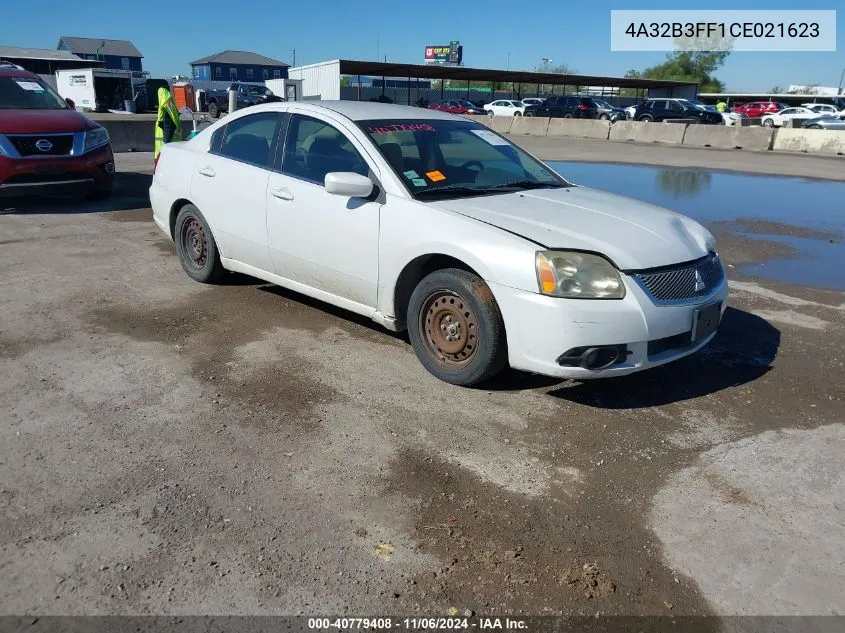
722,29
417,623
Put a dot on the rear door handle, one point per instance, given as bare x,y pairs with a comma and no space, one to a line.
282,194
207,171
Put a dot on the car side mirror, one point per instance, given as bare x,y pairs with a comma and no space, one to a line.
348,184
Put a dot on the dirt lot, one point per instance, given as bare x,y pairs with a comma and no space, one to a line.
174,448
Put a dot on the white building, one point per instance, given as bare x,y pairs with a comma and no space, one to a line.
821,91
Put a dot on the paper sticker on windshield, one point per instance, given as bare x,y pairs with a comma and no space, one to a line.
435,176
411,174
419,182
30,85
490,137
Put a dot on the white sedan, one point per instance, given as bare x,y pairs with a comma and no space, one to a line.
505,107
822,108
426,221
779,119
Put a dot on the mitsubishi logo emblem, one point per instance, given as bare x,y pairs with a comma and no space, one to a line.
699,282
43,145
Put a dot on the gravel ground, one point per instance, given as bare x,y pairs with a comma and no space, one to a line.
173,448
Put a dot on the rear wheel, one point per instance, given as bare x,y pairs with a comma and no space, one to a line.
456,328
768,123
517,113
567,115
213,110
646,118
604,117
815,127
196,247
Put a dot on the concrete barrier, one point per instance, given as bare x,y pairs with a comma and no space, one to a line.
579,128
815,141
531,126
135,136
729,137
642,132
483,119
502,124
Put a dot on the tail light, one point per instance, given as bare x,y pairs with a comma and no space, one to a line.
583,107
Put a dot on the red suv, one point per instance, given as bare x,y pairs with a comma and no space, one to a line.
758,108
47,148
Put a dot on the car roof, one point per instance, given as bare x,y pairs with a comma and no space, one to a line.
16,72
365,110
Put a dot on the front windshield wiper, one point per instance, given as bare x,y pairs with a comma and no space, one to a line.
526,184
452,189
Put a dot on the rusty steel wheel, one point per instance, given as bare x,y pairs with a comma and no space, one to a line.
195,244
455,327
451,329
196,247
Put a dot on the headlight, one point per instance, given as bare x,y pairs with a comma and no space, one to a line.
578,276
95,137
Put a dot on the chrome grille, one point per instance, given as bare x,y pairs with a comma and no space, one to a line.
668,285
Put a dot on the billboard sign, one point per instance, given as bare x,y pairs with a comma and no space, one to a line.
451,55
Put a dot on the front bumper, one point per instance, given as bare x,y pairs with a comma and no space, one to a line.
541,328
57,175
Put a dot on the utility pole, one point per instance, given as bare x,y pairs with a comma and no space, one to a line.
841,77
293,51
509,60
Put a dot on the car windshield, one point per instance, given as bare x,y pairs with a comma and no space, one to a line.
259,90
603,104
465,103
25,93
438,158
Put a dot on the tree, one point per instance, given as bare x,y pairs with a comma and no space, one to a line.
560,69
693,66
777,90
805,90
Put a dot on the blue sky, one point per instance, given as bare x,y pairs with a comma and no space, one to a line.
577,35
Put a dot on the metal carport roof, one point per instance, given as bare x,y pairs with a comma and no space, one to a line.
462,73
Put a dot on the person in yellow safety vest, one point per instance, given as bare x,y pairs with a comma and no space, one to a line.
721,106
168,126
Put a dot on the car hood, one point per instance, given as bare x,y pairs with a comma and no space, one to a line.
631,233
42,121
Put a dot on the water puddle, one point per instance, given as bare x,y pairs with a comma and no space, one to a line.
806,215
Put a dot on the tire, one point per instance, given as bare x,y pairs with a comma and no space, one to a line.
768,123
816,127
646,118
517,113
213,110
196,247
460,300
604,117
567,115
529,114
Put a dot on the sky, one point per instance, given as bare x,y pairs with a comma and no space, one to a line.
494,34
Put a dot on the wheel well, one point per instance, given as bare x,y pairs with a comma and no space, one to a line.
413,273
174,211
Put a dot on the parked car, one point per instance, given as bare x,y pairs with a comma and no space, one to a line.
607,111
778,119
442,239
46,147
569,106
826,123
821,108
630,111
508,107
217,101
457,106
662,109
533,101
755,109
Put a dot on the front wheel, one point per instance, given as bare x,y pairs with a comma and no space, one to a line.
517,113
815,127
646,118
604,117
567,115
213,110
196,247
456,328
768,123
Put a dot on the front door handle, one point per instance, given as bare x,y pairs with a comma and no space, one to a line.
282,194
207,171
